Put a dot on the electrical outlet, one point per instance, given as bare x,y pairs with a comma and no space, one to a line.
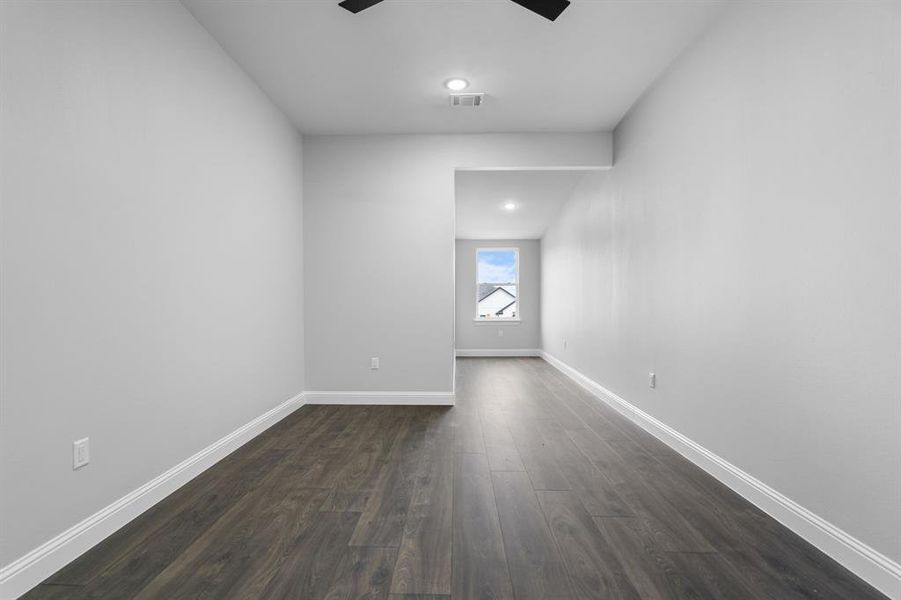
564,344
81,453
500,333
652,380
374,363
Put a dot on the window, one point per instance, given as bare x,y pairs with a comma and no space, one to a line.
497,284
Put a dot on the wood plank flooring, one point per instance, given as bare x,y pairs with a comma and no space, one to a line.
529,488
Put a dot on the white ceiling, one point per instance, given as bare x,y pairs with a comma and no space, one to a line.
381,71
538,196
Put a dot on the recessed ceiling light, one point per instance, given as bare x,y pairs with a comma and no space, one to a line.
456,84
510,206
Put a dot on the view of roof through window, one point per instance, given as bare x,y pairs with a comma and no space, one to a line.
497,278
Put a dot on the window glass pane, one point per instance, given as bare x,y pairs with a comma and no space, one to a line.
497,283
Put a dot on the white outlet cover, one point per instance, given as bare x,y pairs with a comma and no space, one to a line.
81,453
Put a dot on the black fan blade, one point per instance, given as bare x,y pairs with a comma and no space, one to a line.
356,6
549,9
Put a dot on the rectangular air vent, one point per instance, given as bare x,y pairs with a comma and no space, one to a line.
466,100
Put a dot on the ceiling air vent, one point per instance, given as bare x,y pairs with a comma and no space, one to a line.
466,100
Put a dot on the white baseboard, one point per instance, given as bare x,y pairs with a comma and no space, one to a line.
500,352
28,571
382,398
870,565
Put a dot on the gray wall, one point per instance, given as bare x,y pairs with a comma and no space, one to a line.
481,335
745,247
379,249
151,254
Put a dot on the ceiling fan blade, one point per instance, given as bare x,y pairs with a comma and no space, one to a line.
356,6
549,9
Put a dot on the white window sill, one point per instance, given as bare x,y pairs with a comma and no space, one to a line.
497,321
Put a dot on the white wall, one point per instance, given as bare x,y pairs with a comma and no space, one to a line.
745,246
151,254
379,223
481,335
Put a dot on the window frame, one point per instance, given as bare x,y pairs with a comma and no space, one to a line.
518,317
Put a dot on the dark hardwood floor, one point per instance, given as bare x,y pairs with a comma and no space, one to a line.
528,488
